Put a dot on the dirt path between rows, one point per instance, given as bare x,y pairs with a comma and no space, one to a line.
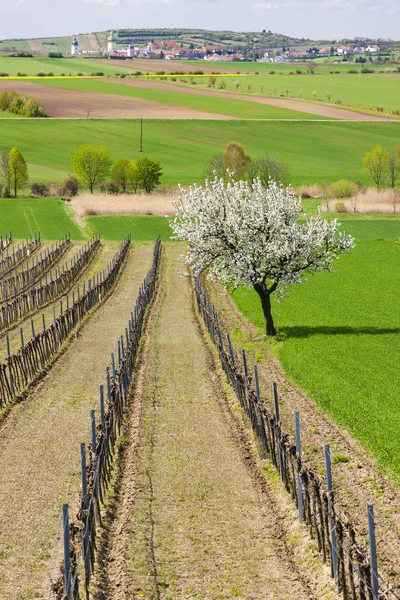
193,520
359,481
73,104
289,103
39,443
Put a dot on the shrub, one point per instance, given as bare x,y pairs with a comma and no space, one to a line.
4,75
55,55
365,70
21,74
342,189
69,187
109,187
340,207
39,190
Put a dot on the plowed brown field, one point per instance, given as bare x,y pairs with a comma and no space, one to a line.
73,104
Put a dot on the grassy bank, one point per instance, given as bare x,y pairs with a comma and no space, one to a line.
339,338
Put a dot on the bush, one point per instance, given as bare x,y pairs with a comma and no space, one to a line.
4,75
340,207
55,55
365,70
69,187
21,74
342,189
39,190
110,187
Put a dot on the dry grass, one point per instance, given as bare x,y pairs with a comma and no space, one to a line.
369,201
124,204
310,191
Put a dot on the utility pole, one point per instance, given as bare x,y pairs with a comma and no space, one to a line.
141,136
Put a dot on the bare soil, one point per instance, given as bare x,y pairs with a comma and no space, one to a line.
39,444
194,518
290,103
358,481
73,104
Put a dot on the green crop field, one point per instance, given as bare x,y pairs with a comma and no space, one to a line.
143,228
57,66
339,338
362,90
25,217
241,109
314,151
321,66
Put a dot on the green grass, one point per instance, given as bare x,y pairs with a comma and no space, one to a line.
241,109
143,228
26,216
370,91
73,66
314,151
251,67
339,338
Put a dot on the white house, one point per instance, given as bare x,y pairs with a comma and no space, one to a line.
75,47
372,48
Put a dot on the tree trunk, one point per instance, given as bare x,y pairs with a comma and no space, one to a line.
266,307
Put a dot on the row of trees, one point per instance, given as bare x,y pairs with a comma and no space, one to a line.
235,164
383,166
93,166
18,104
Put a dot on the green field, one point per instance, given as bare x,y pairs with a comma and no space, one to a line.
26,217
339,338
314,151
369,91
143,228
241,109
321,66
57,66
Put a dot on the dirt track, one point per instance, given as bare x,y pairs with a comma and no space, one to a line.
289,103
73,104
193,520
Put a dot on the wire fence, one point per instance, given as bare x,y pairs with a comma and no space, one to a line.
19,253
23,368
14,310
18,281
353,566
79,536
5,241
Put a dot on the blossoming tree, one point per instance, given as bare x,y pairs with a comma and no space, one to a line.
251,236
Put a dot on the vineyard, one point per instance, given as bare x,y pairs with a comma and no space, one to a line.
133,485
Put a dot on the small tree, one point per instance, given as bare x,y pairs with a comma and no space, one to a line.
314,94
311,66
91,165
69,187
329,95
122,173
18,170
375,164
5,171
212,81
147,173
268,169
215,168
237,85
287,91
393,166
235,160
249,236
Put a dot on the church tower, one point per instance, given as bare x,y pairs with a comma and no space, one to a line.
75,47
111,43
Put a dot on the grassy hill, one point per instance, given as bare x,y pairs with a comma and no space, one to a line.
228,39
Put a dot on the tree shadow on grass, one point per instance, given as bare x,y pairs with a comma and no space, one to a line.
304,331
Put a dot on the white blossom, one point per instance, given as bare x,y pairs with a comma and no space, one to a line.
251,236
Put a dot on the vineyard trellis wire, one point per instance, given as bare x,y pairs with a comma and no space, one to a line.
19,253
5,241
96,464
352,565
18,281
12,311
25,366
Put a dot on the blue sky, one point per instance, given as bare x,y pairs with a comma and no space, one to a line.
331,19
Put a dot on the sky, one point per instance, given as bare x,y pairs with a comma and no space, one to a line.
315,19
